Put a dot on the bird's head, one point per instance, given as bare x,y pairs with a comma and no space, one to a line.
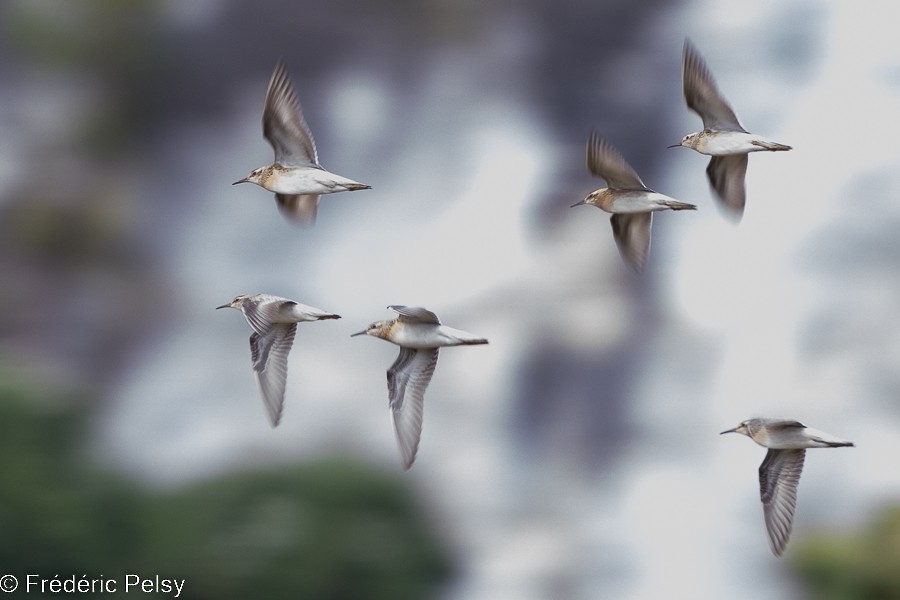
256,176
595,198
691,140
743,428
377,329
238,302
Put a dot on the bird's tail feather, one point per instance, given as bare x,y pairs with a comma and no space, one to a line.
773,146
675,205
327,316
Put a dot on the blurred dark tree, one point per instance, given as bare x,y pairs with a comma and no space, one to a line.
334,529
861,566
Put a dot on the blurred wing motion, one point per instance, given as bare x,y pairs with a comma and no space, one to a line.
284,125
632,234
702,95
269,353
603,160
726,177
300,209
407,380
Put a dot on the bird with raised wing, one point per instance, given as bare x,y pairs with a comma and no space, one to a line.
631,203
296,176
420,335
723,137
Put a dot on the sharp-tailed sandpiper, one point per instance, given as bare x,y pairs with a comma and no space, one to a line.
779,472
631,203
420,335
296,176
723,137
274,322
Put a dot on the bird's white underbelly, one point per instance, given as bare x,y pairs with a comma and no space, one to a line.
307,181
731,142
297,313
422,335
417,336
799,439
640,202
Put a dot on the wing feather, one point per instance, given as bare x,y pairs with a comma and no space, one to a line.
284,125
702,95
726,177
603,160
407,380
632,234
299,209
779,475
269,354
264,313
415,314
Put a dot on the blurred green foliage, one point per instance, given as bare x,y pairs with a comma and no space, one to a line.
330,530
861,566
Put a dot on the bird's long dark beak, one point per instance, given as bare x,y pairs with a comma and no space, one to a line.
244,180
363,332
672,146
224,306
734,430
579,203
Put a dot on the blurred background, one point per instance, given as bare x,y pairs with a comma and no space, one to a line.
577,456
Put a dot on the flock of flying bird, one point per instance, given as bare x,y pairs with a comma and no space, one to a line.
298,181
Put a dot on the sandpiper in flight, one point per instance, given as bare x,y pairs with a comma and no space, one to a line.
296,177
723,137
779,472
274,322
630,201
420,335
